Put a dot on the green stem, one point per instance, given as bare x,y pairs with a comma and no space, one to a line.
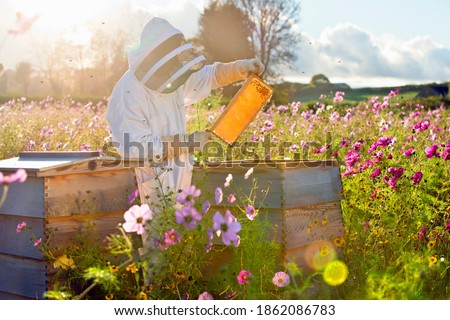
4,193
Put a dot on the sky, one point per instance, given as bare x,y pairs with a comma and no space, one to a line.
360,42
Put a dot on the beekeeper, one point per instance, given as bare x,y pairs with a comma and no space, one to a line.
146,111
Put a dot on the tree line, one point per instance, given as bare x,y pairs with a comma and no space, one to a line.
227,30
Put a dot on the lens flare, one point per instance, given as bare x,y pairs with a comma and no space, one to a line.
335,273
318,255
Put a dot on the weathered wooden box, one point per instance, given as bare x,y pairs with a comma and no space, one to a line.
303,200
74,193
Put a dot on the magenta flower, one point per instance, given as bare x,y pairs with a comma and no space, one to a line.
205,206
228,227
188,216
37,242
188,194
446,152
244,276
218,195
21,226
422,233
19,176
431,152
381,142
231,295
251,212
417,177
421,126
136,218
374,194
338,96
205,296
447,226
172,237
375,173
248,173
351,158
231,198
281,279
396,172
409,152
228,180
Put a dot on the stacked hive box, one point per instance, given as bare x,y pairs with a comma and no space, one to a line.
303,200
65,194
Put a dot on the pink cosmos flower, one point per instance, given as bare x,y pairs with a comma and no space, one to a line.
431,152
218,195
37,242
251,212
228,180
248,173
351,158
446,152
188,195
205,296
447,226
228,227
339,96
376,173
374,194
421,126
244,276
294,148
136,218
422,233
231,198
19,176
21,226
281,279
172,237
188,216
408,152
417,177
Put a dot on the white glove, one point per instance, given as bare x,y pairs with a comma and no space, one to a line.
246,67
227,73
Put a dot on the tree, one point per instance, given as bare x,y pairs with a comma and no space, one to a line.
23,75
318,80
273,37
224,33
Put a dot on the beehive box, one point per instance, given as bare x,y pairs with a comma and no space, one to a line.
303,200
74,193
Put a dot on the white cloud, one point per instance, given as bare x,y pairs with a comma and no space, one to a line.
351,54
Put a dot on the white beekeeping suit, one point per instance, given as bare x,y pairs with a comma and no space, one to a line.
146,111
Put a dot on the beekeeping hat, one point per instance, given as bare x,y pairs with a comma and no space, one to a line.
163,61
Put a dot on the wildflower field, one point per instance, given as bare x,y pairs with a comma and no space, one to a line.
394,159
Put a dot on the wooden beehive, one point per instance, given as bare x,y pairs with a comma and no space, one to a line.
65,194
303,200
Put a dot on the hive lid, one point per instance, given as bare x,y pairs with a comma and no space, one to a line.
56,163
